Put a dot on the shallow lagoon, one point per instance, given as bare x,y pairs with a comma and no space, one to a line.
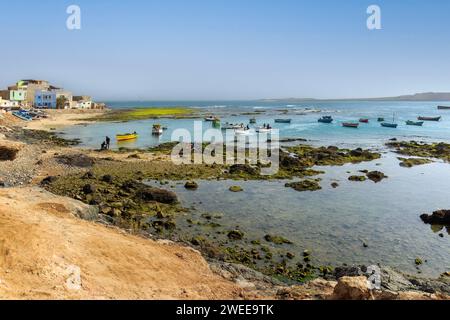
333,223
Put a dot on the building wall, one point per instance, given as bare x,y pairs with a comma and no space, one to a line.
18,95
45,99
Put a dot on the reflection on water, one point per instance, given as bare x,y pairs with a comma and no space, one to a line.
334,223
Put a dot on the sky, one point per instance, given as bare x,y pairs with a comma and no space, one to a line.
228,49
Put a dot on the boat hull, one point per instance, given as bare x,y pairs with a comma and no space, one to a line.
414,123
283,120
126,137
429,119
350,125
443,107
325,120
389,125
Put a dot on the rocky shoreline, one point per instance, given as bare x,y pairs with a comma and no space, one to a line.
112,183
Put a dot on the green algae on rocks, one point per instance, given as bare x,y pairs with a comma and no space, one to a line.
304,185
423,150
412,162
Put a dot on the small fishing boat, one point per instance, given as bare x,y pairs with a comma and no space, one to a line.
429,118
127,136
211,118
157,129
253,120
242,132
414,123
443,107
363,120
389,125
231,126
350,125
326,119
264,130
22,115
283,120
380,120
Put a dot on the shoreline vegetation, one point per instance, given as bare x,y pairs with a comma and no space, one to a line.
132,190
144,113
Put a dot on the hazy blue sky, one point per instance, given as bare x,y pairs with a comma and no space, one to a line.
228,49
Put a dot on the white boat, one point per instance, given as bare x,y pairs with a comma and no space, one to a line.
242,132
210,118
157,129
230,126
263,130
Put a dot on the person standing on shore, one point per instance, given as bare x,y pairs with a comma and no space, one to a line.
108,142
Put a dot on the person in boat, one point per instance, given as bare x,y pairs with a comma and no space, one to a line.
108,142
248,127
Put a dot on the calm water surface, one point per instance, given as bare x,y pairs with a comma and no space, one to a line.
332,223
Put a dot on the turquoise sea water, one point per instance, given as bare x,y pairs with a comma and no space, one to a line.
304,122
332,223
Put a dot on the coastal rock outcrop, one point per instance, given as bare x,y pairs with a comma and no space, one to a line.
352,288
8,154
440,217
304,185
158,195
376,176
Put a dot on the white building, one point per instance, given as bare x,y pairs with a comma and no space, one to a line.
6,104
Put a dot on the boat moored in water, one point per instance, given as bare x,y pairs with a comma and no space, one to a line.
127,136
429,118
157,129
389,125
443,107
253,120
414,123
283,120
350,125
211,118
380,119
326,119
364,120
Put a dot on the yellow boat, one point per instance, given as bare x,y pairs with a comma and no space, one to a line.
126,136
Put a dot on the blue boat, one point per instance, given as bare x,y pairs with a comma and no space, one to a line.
283,120
326,119
389,125
23,115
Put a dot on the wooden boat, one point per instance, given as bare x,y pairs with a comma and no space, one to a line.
350,125
157,129
231,126
429,118
389,125
326,119
127,136
443,107
414,123
283,120
363,120
263,130
22,115
242,132
380,120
